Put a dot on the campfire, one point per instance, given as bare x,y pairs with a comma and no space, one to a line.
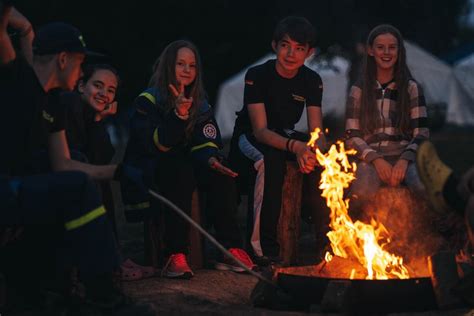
353,240
364,268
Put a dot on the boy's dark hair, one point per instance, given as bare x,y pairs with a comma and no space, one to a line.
297,28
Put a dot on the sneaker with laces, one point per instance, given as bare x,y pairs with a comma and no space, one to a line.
177,267
228,263
434,174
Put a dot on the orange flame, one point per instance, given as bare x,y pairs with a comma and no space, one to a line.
359,240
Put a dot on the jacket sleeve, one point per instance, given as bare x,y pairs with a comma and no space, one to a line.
354,135
155,125
206,138
418,121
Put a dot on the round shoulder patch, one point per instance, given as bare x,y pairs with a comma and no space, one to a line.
209,131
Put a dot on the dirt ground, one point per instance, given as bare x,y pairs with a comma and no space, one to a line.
213,292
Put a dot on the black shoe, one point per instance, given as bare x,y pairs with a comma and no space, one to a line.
265,261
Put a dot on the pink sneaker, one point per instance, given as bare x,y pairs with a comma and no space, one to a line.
229,263
177,267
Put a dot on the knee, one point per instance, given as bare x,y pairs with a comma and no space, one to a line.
367,181
413,181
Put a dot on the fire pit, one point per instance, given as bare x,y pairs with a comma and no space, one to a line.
361,272
308,286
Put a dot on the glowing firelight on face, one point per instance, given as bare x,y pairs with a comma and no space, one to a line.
349,239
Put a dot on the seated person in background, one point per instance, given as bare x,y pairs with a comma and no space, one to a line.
385,118
60,213
447,193
275,95
88,107
175,138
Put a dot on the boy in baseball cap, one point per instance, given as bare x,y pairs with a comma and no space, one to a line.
51,221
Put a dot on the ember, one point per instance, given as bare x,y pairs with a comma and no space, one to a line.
364,242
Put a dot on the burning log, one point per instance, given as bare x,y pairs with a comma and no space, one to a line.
289,222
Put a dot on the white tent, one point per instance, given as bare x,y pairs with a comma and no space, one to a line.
441,84
463,106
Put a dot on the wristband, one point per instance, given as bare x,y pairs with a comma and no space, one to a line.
288,144
292,145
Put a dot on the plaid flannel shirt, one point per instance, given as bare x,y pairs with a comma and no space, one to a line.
387,141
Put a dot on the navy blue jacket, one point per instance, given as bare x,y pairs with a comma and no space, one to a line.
151,124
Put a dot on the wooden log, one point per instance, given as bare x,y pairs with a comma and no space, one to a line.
290,214
195,256
444,276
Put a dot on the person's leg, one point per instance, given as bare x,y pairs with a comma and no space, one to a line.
275,168
413,181
65,227
221,202
175,180
255,155
364,187
221,193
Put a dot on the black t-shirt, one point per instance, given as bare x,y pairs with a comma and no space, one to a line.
83,133
284,99
29,115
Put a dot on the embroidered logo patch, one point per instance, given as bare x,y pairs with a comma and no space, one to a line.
298,97
209,130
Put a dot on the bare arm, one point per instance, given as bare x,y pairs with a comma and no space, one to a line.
7,52
61,159
258,119
25,30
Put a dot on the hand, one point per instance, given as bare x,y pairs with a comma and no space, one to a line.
398,172
182,103
131,176
216,165
305,157
109,110
18,21
384,169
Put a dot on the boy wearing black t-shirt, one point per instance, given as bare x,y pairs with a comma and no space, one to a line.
275,95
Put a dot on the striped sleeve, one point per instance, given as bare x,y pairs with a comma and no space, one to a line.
354,135
418,120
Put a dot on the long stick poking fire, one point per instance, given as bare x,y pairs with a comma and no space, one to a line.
347,238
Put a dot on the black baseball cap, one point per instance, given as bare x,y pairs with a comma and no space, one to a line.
57,37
